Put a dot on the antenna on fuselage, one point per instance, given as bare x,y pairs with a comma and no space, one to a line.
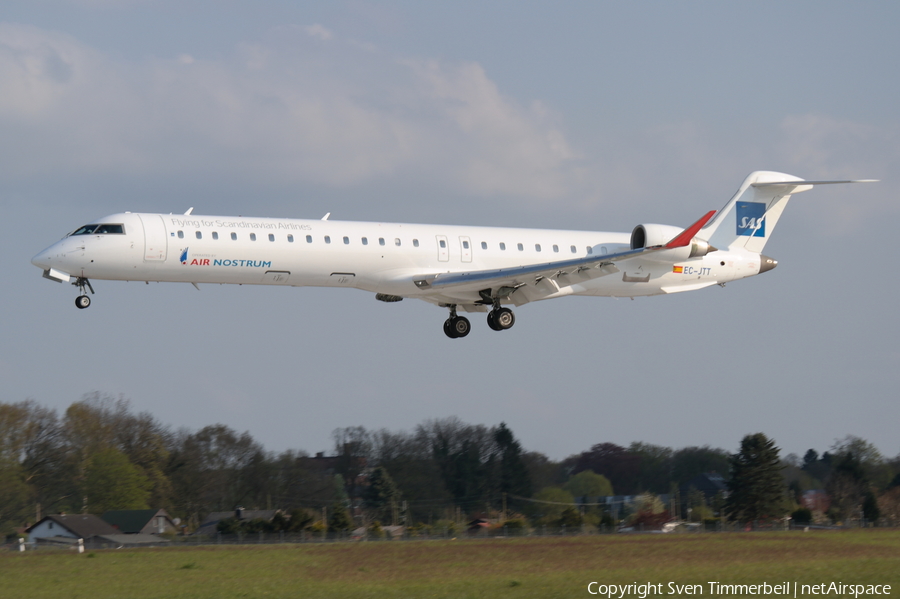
189,210
326,216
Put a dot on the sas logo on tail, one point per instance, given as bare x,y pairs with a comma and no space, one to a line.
751,220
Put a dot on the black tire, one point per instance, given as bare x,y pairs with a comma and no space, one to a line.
82,302
492,322
461,326
448,328
505,318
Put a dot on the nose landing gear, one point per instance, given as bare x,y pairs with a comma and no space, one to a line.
83,301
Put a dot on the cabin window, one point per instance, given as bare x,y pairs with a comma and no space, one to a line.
537,247
484,245
573,249
198,235
381,241
365,241
346,241
520,246
215,235
290,239
465,245
415,243
603,250
502,246
252,236
181,235
234,236
555,248
590,250
271,237
309,239
327,239
443,243
397,241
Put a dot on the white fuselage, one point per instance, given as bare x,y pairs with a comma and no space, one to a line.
377,257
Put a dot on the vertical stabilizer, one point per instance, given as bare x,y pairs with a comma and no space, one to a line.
748,219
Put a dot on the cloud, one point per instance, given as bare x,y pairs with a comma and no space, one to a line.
319,32
290,110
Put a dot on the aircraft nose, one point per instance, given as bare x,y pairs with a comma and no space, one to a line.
42,260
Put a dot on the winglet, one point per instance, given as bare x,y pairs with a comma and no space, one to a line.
684,238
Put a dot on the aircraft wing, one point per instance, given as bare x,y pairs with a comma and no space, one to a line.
563,272
588,267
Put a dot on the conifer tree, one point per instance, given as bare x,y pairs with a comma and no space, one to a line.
756,485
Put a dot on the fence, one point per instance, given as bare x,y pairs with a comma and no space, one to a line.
495,532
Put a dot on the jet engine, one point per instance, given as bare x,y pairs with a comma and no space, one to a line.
648,236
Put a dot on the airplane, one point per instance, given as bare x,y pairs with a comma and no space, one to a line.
460,268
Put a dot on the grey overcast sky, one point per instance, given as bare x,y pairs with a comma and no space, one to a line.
575,115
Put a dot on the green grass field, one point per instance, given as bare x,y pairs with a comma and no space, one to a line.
498,568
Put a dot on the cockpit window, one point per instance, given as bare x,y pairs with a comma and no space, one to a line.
102,229
85,230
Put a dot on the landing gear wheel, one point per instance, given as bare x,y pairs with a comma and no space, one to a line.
492,322
461,326
457,326
504,318
448,328
82,302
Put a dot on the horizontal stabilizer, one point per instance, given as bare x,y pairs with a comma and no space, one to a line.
802,183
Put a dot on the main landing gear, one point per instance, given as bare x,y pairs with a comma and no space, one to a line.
456,326
83,301
499,319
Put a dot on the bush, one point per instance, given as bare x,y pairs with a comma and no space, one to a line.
375,531
317,529
570,519
802,516
444,527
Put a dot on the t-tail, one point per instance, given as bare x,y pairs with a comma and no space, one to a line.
748,219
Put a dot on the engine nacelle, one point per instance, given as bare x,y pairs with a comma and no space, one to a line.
648,236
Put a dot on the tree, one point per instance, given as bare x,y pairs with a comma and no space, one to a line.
616,463
381,493
339,519
549,504
111,482
588,484
514,476
756,486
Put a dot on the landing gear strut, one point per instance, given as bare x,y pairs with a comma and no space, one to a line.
456,326
83,301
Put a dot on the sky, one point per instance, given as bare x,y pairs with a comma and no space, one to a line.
581,115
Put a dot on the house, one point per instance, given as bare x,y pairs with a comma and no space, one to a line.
210,524
148,522
66,529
